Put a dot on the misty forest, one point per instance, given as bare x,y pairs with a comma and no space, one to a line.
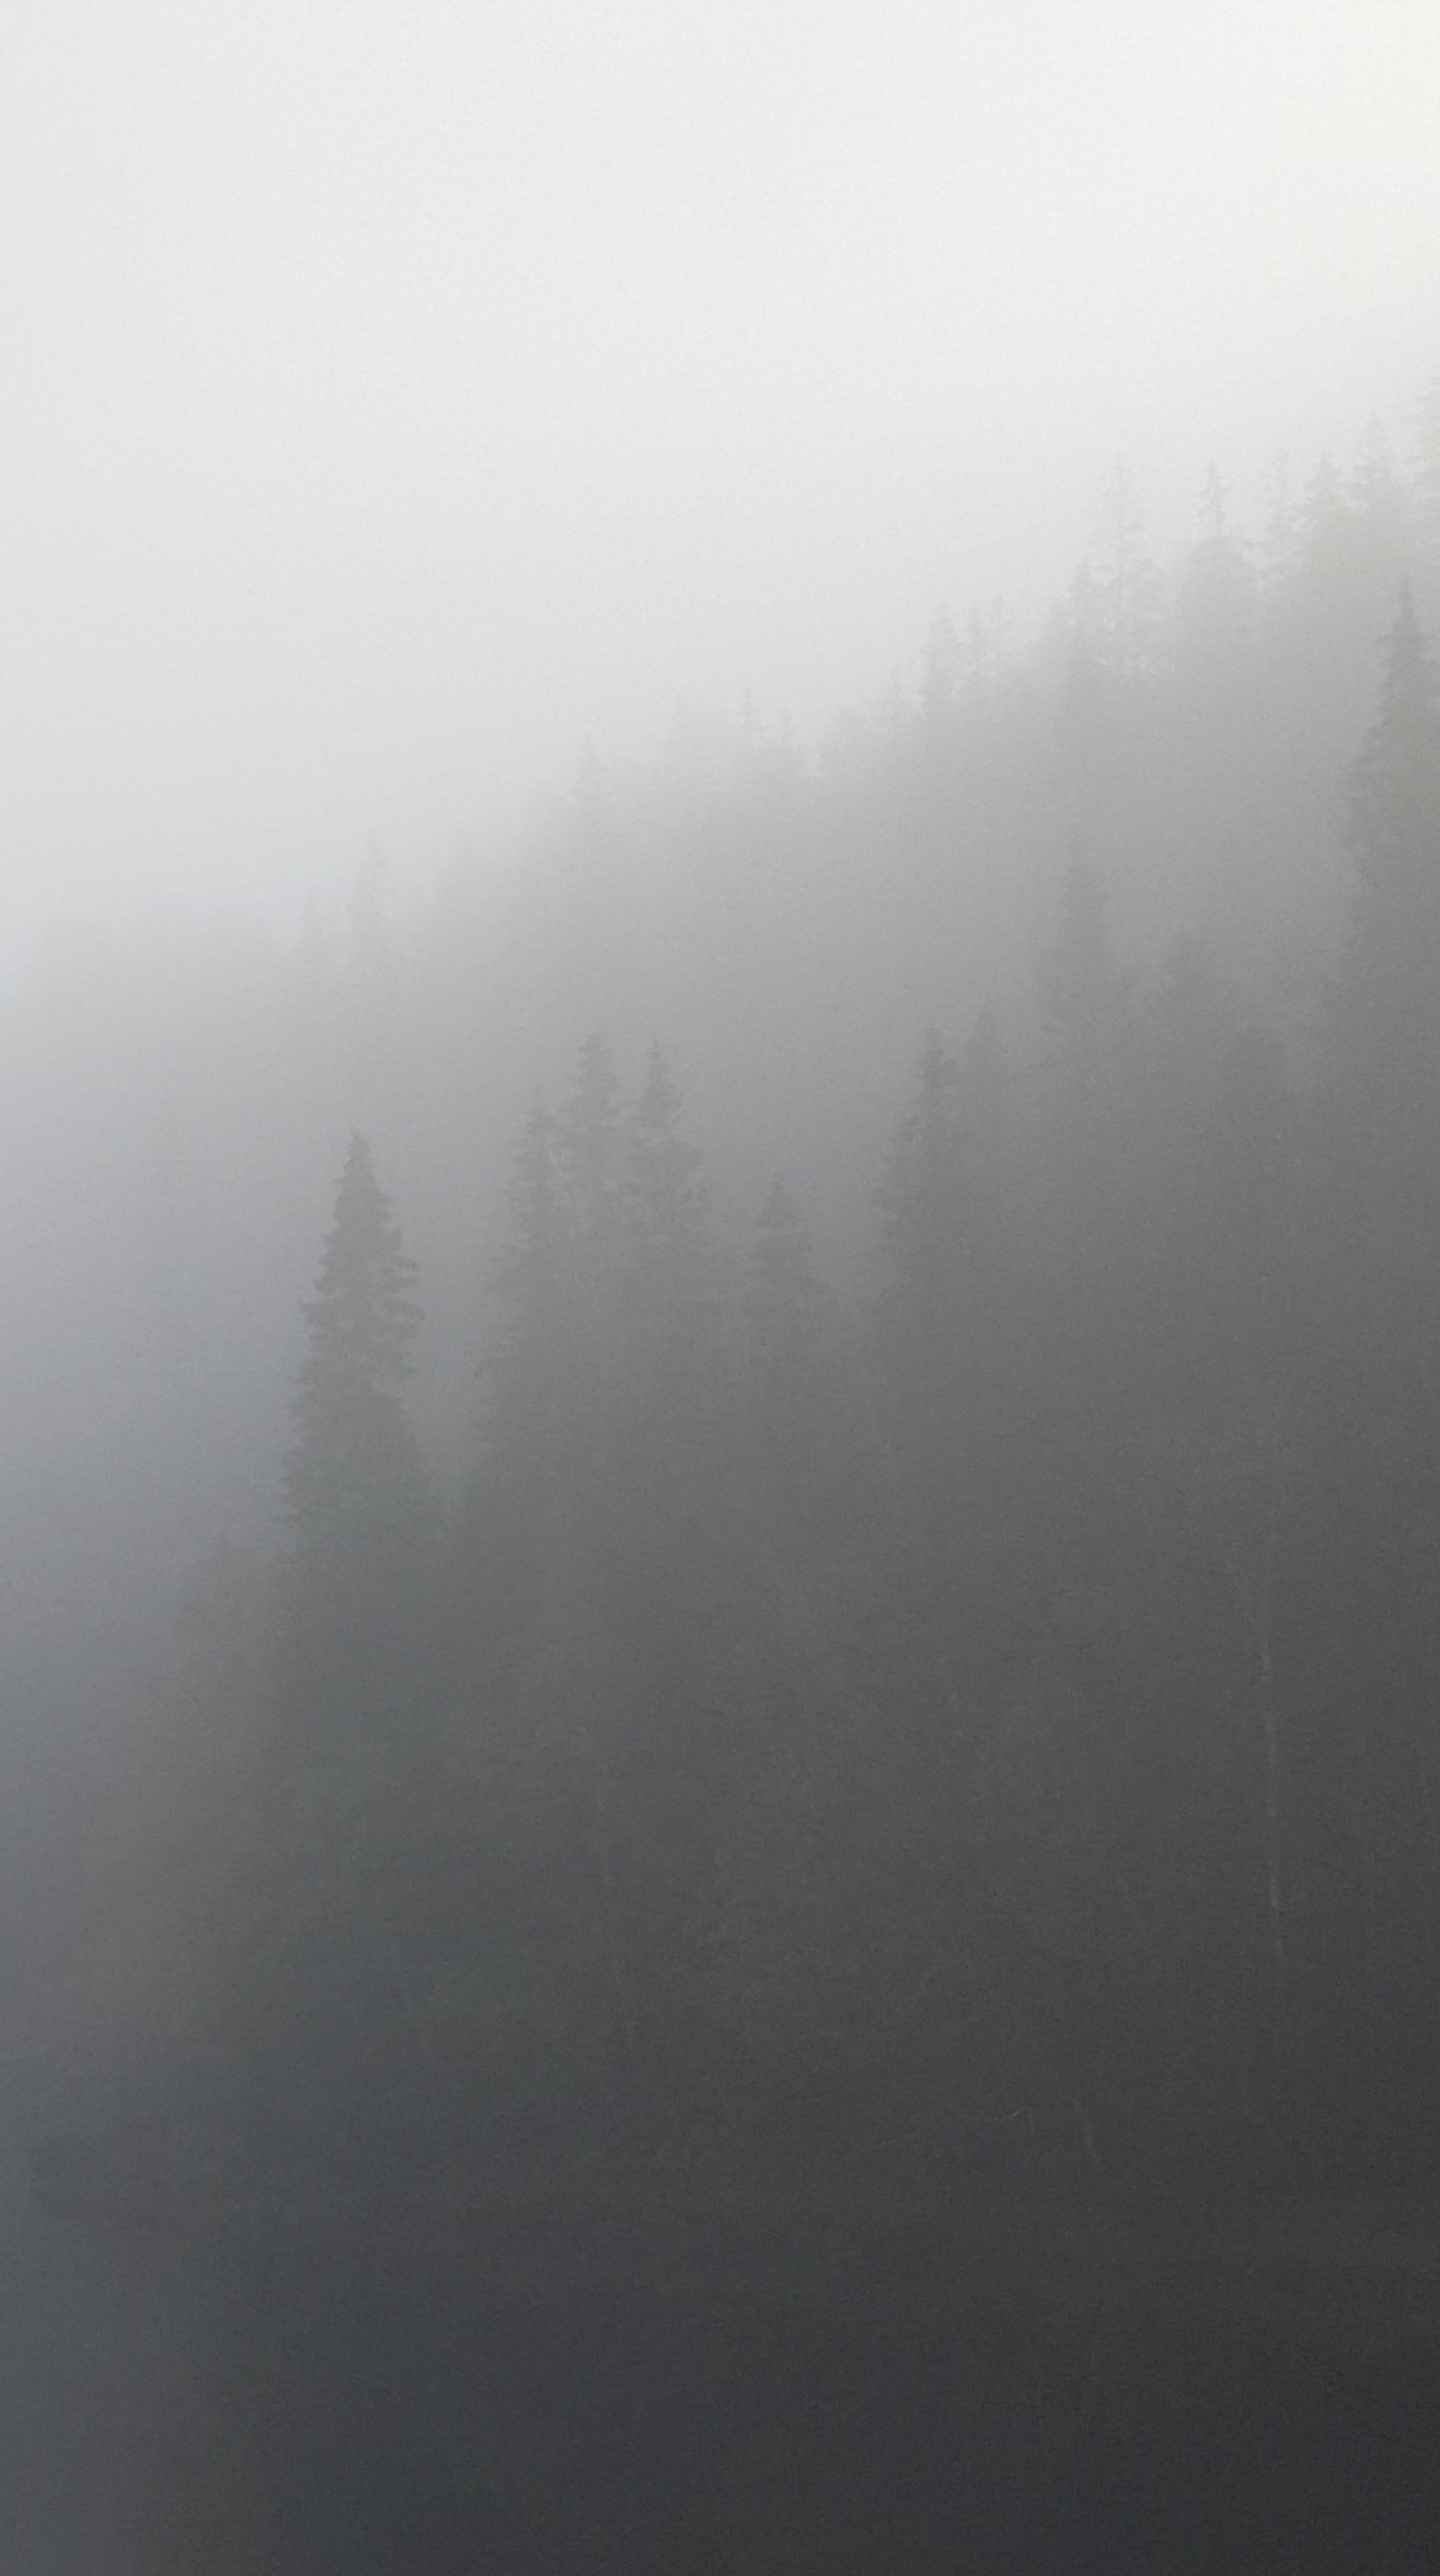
723,1637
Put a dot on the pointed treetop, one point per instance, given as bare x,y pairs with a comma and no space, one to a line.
362,1316
354,1481
1124,583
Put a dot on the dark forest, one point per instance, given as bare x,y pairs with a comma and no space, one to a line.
739,1847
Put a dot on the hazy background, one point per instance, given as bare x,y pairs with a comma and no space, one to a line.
400,400
399,397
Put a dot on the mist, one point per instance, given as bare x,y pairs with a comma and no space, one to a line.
400,401
719,984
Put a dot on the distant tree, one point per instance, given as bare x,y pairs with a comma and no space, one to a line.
1427,468
668,1261
1279,544
1350,554
1394,811
354,1468
359,1509
1214,614
919,1196
1122,590
588,1145
1377,495
1385,1023
945,1212
534,1275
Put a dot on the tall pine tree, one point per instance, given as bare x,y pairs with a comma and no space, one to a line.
359,1509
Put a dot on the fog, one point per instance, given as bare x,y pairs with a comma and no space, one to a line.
719,985
400,399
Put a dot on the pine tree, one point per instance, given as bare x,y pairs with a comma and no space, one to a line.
919,1196
347,1959
354,1470
1123,590
667,1267
1427,468
358,1504
535,1275
1215,608
1386,1024
940,1200
588,1148
1394,814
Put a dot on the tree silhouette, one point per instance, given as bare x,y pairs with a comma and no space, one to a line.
358,1504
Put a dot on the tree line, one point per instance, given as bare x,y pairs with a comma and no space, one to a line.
971,1734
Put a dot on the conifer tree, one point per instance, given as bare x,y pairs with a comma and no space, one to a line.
354,1470
534,1274
941,1202
588,1148
1122,593
1395,785
1214,616
1386,1022
668,1274
359,1509
1427,468
920,1192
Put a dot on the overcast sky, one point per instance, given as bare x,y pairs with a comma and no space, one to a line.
398,393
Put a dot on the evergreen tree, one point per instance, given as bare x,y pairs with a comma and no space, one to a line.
1280,543
534,1276
359,1509
1395,789
1123,591
1378,497
1427,470
588,1148
354,1472
1214,609
668,1268
1385,1029
919,1196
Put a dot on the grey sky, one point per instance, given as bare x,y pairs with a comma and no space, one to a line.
399,392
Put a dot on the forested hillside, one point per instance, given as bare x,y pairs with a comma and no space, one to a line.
985,1723
843,1618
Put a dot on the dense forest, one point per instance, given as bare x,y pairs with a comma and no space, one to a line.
840,1635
